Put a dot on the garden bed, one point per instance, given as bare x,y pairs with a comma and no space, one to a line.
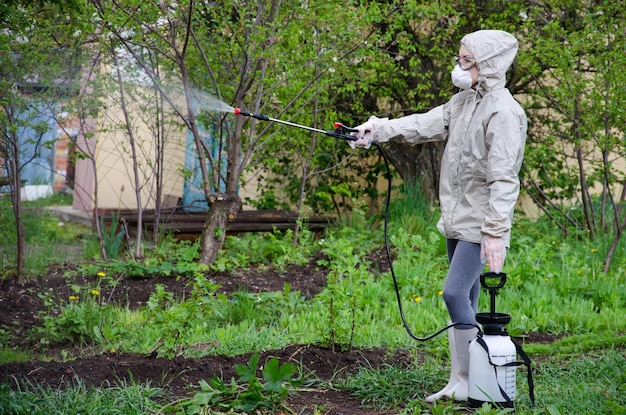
20,307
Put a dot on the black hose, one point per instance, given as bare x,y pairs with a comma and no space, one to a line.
390,261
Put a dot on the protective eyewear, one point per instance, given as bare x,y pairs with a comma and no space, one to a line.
465,62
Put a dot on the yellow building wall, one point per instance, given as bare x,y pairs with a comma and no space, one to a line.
112,153
115,171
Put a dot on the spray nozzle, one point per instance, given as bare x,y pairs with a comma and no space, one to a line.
239,111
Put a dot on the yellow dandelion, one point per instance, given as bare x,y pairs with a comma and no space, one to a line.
418,299
594,250
101,274
440,292
73,298
95,292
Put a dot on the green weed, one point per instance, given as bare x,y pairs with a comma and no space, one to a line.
388,386
48,239
584,383
128,399
411,210
175,321
272,249
250,394
78,322
169,258
14,355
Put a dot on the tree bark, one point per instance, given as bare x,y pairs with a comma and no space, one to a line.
16,199
224,208
421,162
132,141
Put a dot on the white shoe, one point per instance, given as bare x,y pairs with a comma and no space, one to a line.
459,373
454,369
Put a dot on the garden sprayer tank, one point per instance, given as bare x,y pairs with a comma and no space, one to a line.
492,368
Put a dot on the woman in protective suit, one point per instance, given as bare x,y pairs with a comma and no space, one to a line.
485,129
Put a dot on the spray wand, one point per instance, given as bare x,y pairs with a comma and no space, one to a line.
341,131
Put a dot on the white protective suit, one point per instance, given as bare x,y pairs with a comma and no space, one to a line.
486,132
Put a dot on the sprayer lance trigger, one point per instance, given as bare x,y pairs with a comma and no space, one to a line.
344,128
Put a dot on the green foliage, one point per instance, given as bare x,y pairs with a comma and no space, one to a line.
557,285
13,354
176,321
251,394
603,383
169,258
274,249
48,238
343,295
55,199
570,164
411,210
388,385
554,286
74,320
112,237
207,319
578,343
128,399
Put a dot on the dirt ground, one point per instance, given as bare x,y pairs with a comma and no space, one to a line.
20,307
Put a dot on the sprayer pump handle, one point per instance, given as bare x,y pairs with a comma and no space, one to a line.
492,275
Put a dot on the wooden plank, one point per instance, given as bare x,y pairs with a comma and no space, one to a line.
245,216
189,225
186,227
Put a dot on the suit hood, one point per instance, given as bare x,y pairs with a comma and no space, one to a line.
494,52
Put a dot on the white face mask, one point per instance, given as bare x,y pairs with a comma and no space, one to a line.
461,78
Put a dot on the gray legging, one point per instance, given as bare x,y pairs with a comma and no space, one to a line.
462,286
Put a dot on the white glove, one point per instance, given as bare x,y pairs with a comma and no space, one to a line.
365,136
493,250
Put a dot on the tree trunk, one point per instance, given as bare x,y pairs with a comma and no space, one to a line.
418,162
11,151
224,208
16,197
132,141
